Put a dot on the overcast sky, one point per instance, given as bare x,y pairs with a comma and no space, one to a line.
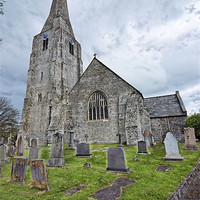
152,44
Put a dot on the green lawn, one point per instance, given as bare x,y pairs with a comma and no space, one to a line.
150,184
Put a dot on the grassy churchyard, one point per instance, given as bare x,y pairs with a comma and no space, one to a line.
150,184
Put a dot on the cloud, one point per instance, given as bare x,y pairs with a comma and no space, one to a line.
154,45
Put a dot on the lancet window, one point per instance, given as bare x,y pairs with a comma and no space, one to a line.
97,107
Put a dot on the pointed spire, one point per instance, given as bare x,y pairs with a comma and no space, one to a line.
59,8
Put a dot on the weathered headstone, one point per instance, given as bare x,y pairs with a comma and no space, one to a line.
2,141
20,146
83,150
11,151
148,138
0,171
171,147
142,149
71,144
34,154
18,174
190,140
3,156
34,143
56,159
39,174
10,141
116,160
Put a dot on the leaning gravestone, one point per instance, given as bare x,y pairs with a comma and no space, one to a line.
20,146
171,147
116,160
148,138
34,154
56,159
18,174
142,149
83,150
190,140
3,156
34,143
11,151
39,174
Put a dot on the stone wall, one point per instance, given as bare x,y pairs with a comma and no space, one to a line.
161,126
125,107
181,190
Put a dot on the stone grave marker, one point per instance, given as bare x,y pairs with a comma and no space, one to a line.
190,140
18,174
83,150
171,148
39,174
11,151
142,149
2,141
116,160
56,159
0,171
34,154
3,156
34,143
148,138
20,146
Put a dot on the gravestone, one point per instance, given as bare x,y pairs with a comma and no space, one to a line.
2,141
11,151
34,143
3,156
39,174
83,150
142,149
190,140
10,141
171,148
34,154
116,160
56,159
71,144
0,171
20,146
148,138
18,174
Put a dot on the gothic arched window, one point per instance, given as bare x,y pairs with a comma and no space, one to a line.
97,107
71,46
45,42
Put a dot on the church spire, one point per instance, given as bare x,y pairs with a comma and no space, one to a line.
59,8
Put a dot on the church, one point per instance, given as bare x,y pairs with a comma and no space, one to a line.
97,103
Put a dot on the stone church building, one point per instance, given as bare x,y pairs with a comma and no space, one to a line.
97,103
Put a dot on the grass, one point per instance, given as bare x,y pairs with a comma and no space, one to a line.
150,184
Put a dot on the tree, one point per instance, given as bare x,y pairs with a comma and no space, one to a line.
194,122
1,6
9,118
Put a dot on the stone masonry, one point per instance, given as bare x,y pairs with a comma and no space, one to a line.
59,94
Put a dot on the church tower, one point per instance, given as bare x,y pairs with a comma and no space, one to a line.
55,67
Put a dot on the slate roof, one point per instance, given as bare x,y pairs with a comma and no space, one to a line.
165,106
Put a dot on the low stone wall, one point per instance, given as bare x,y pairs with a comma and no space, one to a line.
181,190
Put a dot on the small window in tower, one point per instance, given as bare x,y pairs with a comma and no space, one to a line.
41,76
71,46
45,42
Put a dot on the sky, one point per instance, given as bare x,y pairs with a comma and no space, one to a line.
153,44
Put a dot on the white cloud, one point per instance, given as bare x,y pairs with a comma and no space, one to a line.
154,44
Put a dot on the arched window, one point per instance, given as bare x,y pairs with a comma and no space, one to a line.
71,46
97,107
45,42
